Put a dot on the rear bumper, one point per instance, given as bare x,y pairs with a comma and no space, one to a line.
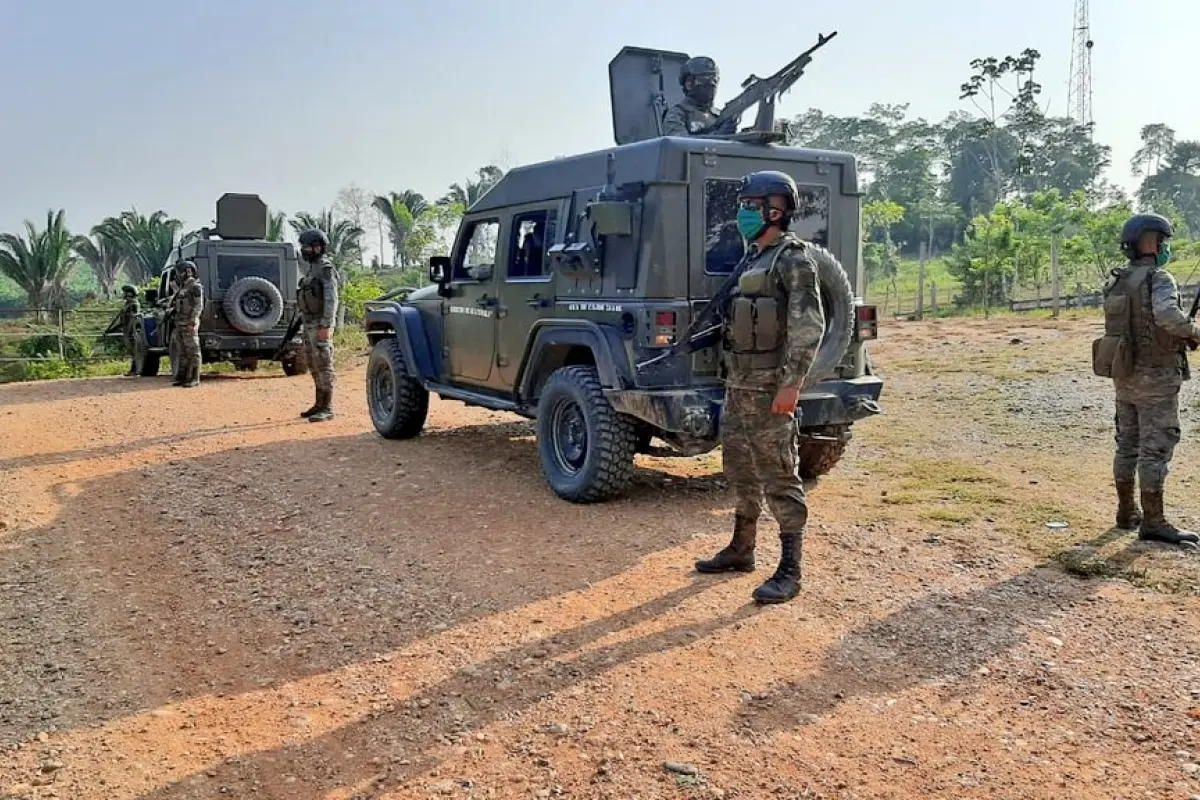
696,412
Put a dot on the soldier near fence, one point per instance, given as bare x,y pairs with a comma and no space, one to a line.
126,321
186,305
1144,352
318,303
771,333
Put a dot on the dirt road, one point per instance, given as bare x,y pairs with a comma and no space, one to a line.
203,596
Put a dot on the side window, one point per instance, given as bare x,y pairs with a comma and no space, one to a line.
164,284
477,261
723,245
532,233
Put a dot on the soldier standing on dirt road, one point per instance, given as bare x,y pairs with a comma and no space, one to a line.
699,78
318,302
129,315
771,334
188,302
1141,303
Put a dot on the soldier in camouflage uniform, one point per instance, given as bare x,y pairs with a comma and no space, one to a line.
187,304
128,320
699,78
771,332
318,303
1144,352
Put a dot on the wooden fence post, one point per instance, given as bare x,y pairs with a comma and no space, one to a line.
62,336
933,297
920,310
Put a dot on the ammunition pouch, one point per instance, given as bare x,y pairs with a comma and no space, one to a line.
1112,353
754,325
310,300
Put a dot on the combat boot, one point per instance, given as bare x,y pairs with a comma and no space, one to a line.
323,412
1155,527
316,406
738,555
193,376
180,375
785,583
1129,516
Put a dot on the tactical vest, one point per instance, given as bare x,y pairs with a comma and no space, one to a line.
311,296
757,328
1132,340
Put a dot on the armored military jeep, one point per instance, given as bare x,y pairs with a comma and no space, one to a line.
249,294
568,274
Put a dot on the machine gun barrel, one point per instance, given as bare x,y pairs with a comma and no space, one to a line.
766,91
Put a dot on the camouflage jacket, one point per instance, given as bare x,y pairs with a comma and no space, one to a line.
188,302
686,119
318,295
1158,327
129,313
787,274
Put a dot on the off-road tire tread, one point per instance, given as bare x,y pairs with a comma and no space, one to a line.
412,399
615,442
836,284
819,458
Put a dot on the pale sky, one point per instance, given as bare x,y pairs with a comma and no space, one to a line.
169,104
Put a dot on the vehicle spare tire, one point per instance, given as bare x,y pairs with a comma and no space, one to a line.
253,305
837,301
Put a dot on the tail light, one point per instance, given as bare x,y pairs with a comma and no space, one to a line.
664,328
866,321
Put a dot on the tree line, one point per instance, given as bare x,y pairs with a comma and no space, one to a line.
998,188
133,247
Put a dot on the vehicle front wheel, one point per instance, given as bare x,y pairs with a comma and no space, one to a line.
586,446
398,402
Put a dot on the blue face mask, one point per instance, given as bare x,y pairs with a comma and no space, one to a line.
750,223
1164,254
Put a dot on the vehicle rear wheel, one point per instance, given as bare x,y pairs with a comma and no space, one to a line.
819,456
586,446
144,363
398,402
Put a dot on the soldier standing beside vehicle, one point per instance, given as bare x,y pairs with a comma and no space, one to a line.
771,333
317,300
187,304
699,78
1144,353
128,322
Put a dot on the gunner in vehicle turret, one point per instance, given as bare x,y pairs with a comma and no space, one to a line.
699,78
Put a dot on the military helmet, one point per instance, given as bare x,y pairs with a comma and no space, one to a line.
767,182
1138,224
185,266
700,65
312,237
127,289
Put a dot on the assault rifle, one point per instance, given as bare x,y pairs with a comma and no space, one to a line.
764,92
287,336
700,333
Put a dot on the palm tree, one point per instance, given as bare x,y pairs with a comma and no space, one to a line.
400,212
104,255
41,261
345,238
467,194
145,242
275,226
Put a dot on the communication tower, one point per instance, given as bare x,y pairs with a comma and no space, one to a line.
1079,90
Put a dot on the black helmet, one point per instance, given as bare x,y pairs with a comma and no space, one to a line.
312,237
700,65
766,182
185,266
127,289
1138,224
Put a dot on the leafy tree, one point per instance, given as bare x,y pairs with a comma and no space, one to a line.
144,242
345,238
401,213
276,226
881,255
467,194
105,257
41,261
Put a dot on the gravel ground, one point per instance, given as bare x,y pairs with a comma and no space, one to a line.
203,596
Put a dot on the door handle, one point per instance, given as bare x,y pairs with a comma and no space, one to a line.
486,302
537,301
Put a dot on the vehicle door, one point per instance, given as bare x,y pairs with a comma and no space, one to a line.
527,285
469,310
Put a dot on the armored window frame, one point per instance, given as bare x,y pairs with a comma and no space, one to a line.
549,216
814,206
459,265
164,283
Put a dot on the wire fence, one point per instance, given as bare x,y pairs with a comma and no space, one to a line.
56,334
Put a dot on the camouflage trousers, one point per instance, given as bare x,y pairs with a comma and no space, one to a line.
760,458
189,347
320,357
1147,432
